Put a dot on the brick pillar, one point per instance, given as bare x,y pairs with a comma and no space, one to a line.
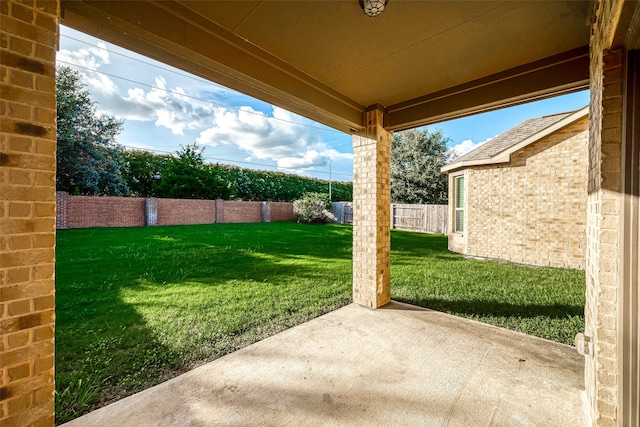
266,212
371,219
604,218
219,211
28,41
150,211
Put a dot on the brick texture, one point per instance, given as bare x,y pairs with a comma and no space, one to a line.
89,211
603,217
28,37
93,211
242,211
282,211
179,211
371,213
532,209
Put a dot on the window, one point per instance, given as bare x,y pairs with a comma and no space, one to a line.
459,212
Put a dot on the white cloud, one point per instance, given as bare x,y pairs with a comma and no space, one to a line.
283,138
167,107
92,58
466,146
287,139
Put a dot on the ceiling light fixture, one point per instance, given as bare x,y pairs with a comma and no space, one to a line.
373,8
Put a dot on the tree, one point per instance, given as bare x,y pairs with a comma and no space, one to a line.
416,158
186,176
88,159
143,171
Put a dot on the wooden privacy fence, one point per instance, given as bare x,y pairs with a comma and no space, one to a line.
423,218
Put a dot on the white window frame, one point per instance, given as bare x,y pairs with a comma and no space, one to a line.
458,221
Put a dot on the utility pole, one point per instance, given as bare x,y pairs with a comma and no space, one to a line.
329,179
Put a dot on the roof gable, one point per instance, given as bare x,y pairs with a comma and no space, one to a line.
500,148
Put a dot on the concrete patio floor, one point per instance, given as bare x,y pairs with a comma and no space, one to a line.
399,365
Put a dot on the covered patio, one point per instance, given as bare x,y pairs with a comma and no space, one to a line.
418,63
400,365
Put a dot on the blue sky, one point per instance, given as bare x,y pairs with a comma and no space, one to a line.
164,108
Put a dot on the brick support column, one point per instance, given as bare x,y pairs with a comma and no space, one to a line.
371,219
603,216
28,42
604,208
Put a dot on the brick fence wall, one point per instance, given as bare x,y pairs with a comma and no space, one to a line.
87,211
91,211
281,211
182,211
245,212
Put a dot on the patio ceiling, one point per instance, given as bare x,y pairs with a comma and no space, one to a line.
423,61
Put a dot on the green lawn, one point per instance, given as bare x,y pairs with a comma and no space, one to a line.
136,306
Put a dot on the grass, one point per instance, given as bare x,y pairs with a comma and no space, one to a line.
542,301
136,306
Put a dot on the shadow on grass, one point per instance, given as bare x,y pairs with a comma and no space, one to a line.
103,349
136,306
480,308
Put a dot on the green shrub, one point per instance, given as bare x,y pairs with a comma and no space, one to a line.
313,208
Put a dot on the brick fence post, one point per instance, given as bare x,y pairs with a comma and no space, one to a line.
338,210
150,211
62,210
219,211
392,210
266,211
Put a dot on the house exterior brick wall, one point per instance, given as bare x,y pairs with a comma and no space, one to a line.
183,211
532,209
28,41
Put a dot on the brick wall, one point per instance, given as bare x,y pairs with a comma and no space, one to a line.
180,211
281,211
28,38
242,211
532,209
603,217
90,211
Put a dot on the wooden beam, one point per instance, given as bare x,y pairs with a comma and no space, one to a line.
176,35
560,74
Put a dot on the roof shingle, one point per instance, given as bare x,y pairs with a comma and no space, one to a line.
511,137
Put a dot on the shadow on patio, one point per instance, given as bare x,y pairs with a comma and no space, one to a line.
399,365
